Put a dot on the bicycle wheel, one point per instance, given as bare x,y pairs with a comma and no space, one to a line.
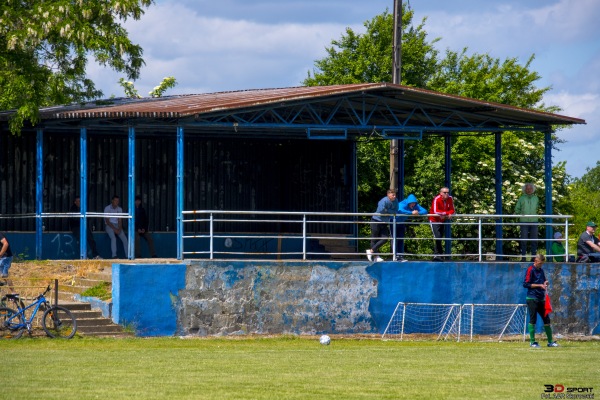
12,324
58,322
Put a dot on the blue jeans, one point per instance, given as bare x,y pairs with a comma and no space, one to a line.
5,265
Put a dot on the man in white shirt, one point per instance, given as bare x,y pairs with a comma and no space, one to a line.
114,225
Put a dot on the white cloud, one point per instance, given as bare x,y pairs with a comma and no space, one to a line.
214,54
208,49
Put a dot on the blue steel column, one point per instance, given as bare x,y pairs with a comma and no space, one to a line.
83,192
448,184
180,169
39,194
548,184
499,242
131,199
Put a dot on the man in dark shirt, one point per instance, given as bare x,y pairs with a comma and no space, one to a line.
75,225
141,229
588,246
536,284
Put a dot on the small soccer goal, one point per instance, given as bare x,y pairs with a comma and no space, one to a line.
444,321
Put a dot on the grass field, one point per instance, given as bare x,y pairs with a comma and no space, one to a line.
289,368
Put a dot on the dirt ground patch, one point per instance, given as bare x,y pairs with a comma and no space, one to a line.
63,270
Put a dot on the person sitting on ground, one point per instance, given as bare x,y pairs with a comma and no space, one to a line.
588,245
407,207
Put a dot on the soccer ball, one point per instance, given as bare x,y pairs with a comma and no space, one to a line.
325,340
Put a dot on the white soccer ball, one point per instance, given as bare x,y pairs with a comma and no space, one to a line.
325,340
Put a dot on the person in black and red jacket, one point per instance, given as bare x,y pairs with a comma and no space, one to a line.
536,284
443,206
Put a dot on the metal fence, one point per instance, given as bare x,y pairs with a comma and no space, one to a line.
472,236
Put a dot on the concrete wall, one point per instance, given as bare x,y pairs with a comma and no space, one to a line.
146,297
238,297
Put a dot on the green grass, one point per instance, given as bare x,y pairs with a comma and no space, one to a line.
289,368
100,291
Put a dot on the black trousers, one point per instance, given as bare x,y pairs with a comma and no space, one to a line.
379,230
438,229
535,307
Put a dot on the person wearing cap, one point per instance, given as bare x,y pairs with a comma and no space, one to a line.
558,250
588,247
528,204
141,229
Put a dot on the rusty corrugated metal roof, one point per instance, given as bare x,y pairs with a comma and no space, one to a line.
189,105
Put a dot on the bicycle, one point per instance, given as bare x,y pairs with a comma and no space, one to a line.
57,321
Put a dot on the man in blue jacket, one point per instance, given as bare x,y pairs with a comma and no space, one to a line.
407,207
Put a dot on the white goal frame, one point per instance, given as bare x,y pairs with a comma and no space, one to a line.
445,320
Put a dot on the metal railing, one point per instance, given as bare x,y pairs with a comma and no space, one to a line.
211,233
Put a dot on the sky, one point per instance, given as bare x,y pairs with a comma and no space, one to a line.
212,46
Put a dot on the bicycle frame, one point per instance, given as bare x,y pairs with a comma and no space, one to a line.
40,300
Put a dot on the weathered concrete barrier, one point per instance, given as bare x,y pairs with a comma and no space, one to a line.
243,297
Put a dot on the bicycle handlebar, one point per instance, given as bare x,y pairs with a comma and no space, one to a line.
44,294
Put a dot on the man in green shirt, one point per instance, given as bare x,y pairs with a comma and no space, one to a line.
528,204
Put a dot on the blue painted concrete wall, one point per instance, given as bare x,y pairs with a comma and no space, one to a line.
62,246
226,297
146,297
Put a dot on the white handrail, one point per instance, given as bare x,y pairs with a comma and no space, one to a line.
215,217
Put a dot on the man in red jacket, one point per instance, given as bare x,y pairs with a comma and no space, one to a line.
443,208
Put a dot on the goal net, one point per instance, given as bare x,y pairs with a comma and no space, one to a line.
443,321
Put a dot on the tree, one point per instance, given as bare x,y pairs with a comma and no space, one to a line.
359,58
131,92
44,47
584,202
367,58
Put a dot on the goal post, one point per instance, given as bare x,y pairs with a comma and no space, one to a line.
495,320
424,319
492,321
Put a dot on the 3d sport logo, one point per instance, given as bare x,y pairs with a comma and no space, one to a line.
567,392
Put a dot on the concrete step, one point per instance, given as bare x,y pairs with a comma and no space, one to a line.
90,330
93,322
71,288
100,276
76,306
338,246
87,314
88,282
